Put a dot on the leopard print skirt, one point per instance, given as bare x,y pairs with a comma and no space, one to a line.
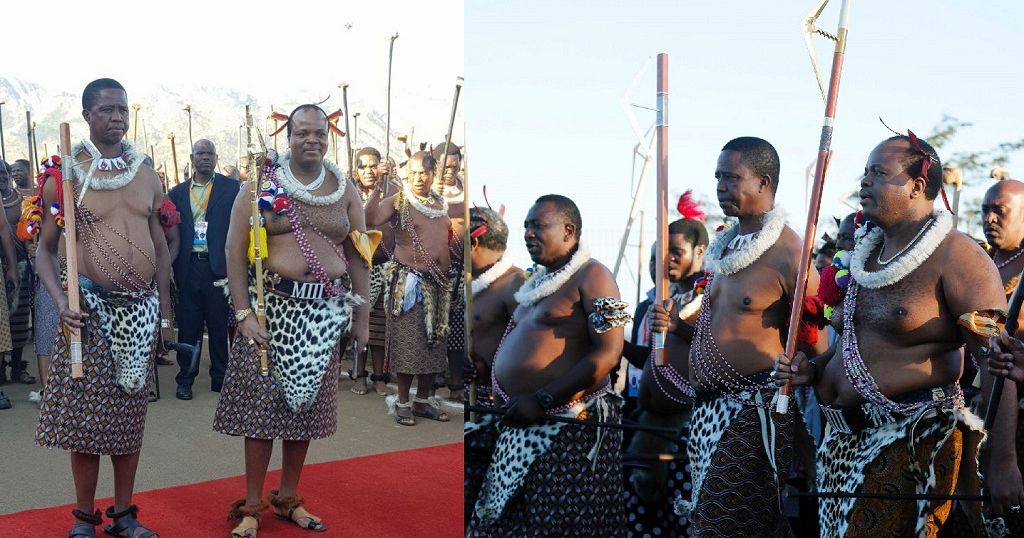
298,401
928,452
94,414
563,492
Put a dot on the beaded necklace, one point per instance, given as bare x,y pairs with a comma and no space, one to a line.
1020,250
710,367
130,281
420,202
672,376
420,255
862,380
308,254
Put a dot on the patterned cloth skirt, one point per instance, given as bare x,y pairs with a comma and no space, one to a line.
928,452
407,349
736,491
660,519
21,314
5,325
298,400
378,319
46,320
564,492
92,414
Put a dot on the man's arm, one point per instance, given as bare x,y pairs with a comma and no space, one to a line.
7,240
163,257
358,270
378,211
970,283
606,348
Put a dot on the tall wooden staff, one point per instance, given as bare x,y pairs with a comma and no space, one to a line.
782,405
661,250
188,109
35,147
1011,327
174,158
387,113
348,134
71,246
28,131
256,239
467,268
440,165
3,147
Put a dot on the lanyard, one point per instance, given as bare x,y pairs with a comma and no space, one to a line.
200,203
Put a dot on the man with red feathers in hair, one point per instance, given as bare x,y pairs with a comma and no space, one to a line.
652,487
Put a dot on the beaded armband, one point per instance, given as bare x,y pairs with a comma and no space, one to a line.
609,313
984,323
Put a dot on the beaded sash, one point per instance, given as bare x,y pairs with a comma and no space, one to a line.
862,380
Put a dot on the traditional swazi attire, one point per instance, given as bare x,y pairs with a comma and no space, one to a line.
922,442
552,478
416,304
104,411
306,322
738,447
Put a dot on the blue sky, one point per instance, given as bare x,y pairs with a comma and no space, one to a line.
545,85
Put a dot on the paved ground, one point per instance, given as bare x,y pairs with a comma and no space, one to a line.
180,447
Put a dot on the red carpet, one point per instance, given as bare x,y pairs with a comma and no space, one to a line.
407,493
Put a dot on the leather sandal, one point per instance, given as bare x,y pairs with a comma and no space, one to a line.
429,408
125,525
85,526
404,414
294,512
248,517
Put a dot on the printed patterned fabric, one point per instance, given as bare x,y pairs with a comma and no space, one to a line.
91,414
407,349
643,520
565,493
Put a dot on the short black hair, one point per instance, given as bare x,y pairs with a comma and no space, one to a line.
759,155
566,208
933,183
453,149
300,108
92,91
368,151
496,236
694,231
429,163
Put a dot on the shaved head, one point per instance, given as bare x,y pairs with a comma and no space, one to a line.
1002,212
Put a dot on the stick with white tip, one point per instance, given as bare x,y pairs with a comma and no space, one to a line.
661,252
67,203
813,207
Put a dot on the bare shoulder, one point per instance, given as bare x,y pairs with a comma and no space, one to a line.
147,176
961,256
791,244
596,280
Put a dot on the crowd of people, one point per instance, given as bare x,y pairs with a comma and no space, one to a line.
900,343
363,266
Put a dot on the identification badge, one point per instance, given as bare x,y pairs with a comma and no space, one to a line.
199,237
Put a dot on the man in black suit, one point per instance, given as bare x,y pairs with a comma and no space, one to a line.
205,205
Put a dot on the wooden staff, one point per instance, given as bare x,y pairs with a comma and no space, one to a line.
355,126
35,147
348,134
3,146
387,115
135,124
71,246
443,163
188,109
782,405
28,131
661,250
174,158
1011,327
467,268
256,220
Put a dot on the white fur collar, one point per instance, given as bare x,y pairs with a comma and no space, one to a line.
86,170
488,277
541,284
905,263
292,186
773,223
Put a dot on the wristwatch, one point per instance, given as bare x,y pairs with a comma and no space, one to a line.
544,399
240,315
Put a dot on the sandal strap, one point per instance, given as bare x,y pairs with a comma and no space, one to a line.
432,402
240,509
132,511
94,519
406,405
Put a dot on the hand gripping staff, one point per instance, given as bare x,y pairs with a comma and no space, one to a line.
782,405
257,235
71,244
661,252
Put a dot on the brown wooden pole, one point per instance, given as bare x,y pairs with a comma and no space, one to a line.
71,247
814,205
661,250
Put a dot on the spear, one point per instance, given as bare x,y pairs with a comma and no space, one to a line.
387,112
661,251
782,405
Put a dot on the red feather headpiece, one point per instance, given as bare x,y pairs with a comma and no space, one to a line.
689,207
